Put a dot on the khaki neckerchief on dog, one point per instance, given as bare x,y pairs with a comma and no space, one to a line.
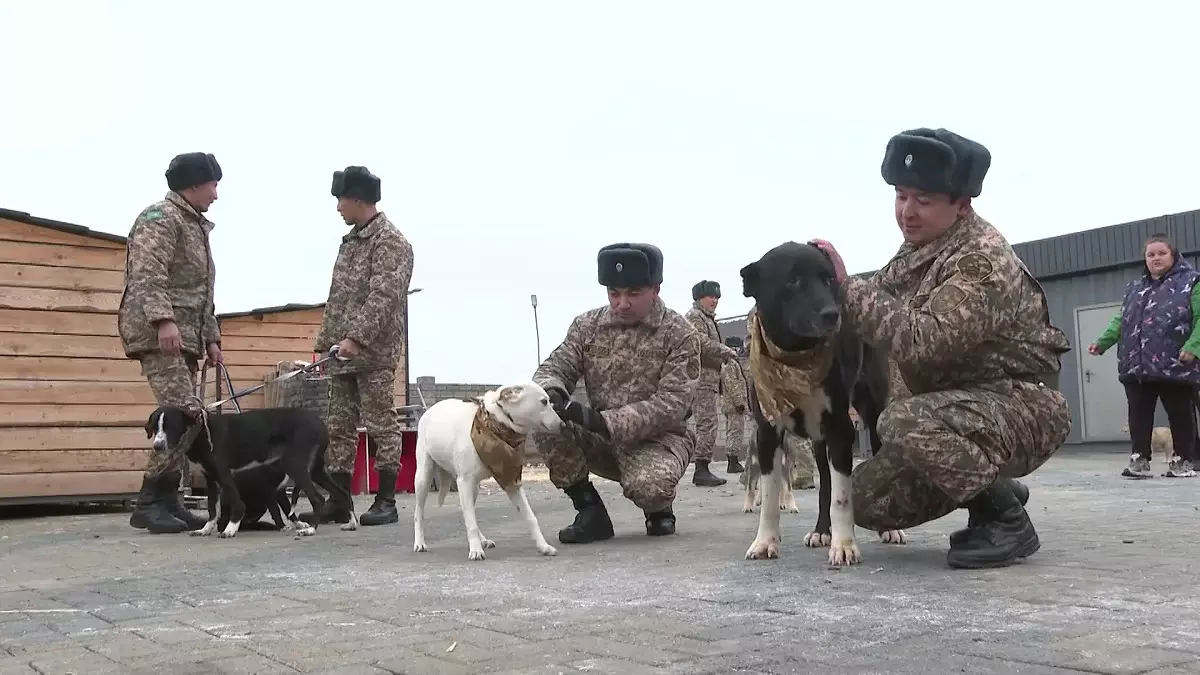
501,449
783,380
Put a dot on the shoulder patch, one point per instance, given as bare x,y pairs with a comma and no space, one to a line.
975,267
946,299
153,214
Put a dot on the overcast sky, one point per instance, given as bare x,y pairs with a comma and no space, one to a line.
514,139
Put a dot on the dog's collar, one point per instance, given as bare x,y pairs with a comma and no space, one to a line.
784,380
500,447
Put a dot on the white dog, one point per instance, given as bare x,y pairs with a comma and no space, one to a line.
470,441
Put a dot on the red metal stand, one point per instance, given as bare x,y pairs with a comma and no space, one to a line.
366,481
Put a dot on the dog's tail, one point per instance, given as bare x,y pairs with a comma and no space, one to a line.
443,483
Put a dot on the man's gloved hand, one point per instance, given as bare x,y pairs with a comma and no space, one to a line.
558,398
586,417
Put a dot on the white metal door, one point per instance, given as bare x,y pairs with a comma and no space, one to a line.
1101,395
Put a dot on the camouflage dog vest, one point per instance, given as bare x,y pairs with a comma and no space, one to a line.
501,449
784,380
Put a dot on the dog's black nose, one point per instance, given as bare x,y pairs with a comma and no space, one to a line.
830,317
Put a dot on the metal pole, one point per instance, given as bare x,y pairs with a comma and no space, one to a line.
536,330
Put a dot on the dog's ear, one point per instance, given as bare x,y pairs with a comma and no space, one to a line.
750,280
511,393
151,424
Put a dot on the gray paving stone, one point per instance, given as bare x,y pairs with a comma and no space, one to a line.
348,603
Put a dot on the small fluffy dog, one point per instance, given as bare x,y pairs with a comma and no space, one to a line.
1162,443
472,440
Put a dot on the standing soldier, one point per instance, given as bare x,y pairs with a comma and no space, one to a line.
640,362
713,355
364,317
167,321
733,391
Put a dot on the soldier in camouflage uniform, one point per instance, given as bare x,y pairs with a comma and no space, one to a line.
969,330
713,356
364,317
734,376
640,362
167,321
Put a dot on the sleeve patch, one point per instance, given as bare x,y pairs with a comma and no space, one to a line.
946,299
153,214
975,268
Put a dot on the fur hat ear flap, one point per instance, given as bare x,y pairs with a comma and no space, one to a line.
357,182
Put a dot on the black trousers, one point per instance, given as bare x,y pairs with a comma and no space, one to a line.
1179,400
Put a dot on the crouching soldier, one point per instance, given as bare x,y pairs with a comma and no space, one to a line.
167,321
364,317
640,363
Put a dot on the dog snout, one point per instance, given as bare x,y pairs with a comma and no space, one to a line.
830,317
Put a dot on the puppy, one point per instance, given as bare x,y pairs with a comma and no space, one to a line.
1162,444
807,365
472,440
263,489
752,474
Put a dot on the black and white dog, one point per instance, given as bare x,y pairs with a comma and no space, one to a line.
798,309
294,439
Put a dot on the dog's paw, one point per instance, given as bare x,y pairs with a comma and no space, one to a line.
209,528
476,555
547,549
305,529
420,547
763,549
893,537
287,527
488,543
817,539
226,534
844,552
747,508
351,525
790,507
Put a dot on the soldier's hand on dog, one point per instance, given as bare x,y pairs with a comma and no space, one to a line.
558,399
169,339
839,266
585,417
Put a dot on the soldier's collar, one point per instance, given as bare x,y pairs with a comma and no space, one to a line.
191,212
654,319
368,229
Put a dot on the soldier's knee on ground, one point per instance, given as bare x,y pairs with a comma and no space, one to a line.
649,491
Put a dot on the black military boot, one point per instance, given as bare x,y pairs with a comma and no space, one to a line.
1002,533
660,523
334,510
150,512
703,477
591,522
733,465
383,511
1018,488
174,502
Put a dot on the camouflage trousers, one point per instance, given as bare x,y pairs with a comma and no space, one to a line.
363,399
648,472
735,432
941,449
172,378
705,417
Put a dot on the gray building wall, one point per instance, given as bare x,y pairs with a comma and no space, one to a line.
1079,270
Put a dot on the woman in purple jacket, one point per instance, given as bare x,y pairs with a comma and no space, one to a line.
1157,344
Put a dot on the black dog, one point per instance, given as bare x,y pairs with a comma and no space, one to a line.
263,489
801,338
294,439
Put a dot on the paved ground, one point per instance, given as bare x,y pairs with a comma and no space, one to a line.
1110,592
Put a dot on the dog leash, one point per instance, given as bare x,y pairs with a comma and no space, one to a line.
333,354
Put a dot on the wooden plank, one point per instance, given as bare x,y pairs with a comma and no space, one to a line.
76,438
77,346
301,316
241,359
243,328
62,323
70,461
41,276
51,392
82,483
12,230
72,415
56,255
16,297
302,347
58,368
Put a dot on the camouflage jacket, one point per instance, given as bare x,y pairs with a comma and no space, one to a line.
368,296
641,378
961,311
734,376
169,274
712,352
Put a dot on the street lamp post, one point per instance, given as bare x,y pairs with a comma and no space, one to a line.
537,333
